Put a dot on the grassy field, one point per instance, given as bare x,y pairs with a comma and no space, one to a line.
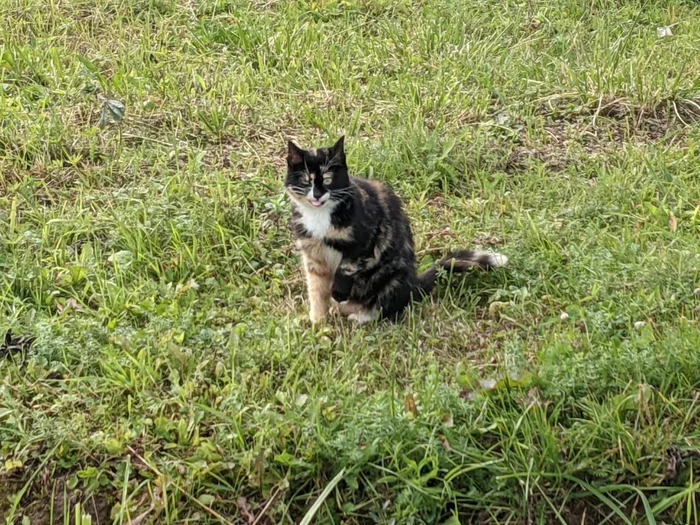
157,364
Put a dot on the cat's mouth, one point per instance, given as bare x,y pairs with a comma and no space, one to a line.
318,203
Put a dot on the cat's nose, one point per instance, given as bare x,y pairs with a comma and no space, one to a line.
318,192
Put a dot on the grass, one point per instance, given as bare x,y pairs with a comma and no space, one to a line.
158,365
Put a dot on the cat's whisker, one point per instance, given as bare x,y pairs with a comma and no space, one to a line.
343,191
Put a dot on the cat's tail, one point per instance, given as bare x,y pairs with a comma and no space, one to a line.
458,262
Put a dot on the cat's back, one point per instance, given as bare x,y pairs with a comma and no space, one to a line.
379,197
384,215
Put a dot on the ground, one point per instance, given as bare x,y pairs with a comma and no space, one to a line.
157,364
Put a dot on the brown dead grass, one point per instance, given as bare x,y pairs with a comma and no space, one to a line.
569,136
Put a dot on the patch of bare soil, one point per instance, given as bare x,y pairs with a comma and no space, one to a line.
50,501
8,487
571,135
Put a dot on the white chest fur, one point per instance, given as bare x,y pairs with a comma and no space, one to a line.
315,221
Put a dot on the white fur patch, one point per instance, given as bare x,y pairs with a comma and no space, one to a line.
349,268
316,221
498,259
333,258
364,316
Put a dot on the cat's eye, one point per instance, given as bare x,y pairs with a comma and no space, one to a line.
328,177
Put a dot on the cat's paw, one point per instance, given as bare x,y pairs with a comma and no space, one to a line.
317,317
346,308
363,316
336,308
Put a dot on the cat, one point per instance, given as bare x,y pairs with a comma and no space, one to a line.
342,287
356,241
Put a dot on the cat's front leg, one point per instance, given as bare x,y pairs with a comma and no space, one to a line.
343,282
319,281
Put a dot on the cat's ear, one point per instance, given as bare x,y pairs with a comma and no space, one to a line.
338,150
295,155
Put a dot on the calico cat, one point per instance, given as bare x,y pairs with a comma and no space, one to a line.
356,241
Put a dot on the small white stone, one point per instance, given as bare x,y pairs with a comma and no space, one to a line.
664,31
488,384
639,325
564,316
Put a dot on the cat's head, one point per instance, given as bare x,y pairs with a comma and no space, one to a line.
317,177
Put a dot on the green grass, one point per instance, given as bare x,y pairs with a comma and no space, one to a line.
174,376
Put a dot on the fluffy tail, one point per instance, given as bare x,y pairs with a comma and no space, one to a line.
458,262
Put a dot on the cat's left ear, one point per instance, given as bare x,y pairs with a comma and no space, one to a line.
338,150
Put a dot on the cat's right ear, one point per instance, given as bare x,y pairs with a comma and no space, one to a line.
295,155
